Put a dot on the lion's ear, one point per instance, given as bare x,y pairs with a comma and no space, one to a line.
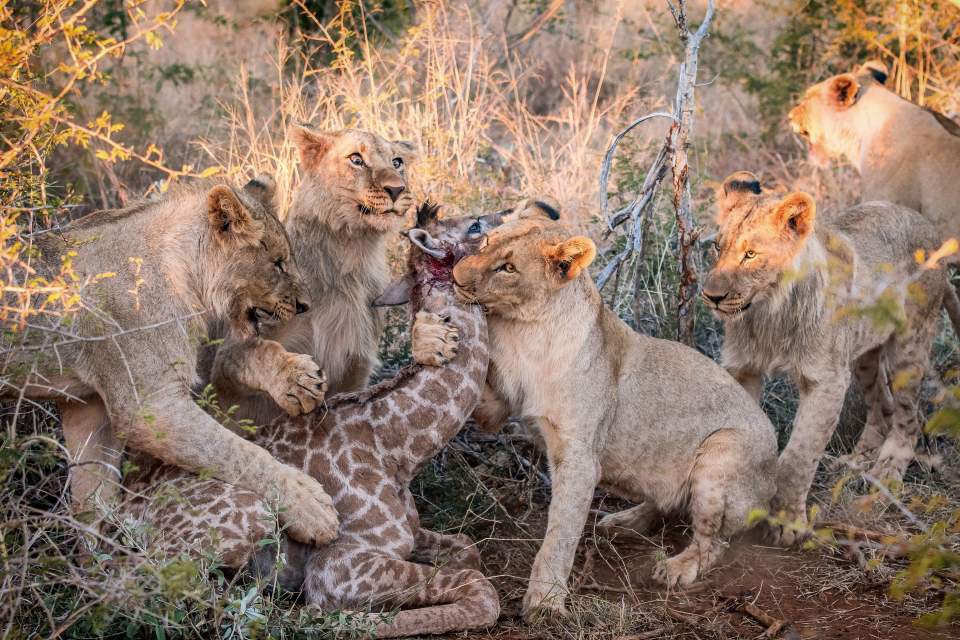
571,256
396,293
229,219
407,149
738,188
313,145
875,69
796,214
263,188
844,90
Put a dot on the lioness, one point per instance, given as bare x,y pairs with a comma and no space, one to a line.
905,154
609,407
197,257
354,196
795,298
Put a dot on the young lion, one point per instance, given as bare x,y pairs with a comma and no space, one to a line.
194,258
905,154
791,297
353,198
612,407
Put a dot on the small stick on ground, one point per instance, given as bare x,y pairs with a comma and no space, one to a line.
774,626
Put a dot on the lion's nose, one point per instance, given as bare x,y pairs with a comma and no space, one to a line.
302,306
715,299
394,191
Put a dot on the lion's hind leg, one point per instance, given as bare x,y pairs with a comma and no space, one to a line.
430,600
725,487
871,370
908,362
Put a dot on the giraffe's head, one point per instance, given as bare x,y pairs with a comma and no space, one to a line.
435,247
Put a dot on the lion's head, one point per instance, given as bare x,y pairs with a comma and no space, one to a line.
759,238
830,114
365,174
255,280
524,264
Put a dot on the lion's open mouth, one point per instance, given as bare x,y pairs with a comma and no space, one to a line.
260,318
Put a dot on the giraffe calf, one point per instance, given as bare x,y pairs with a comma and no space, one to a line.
365,448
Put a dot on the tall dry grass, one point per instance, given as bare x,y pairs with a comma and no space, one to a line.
444,87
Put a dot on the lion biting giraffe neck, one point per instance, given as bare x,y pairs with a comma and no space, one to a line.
365,449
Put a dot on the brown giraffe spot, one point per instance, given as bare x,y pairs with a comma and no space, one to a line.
375,517
435,392
349,505
423,442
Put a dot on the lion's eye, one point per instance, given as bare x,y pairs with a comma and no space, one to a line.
750,254
507,267
397,163
356,160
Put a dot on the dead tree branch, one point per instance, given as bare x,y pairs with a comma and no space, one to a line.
674,151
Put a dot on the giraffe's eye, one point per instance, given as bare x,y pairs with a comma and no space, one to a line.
476,227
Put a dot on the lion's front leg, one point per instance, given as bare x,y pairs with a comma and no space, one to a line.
817,416
435,339
575,471
294,381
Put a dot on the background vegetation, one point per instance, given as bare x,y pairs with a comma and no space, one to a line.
104,101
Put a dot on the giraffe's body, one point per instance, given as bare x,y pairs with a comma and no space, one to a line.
365,448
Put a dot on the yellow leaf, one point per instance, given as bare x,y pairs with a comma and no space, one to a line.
209,171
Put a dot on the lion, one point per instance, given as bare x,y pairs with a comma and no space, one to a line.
904,153
354,197
122,370
807,298
609,408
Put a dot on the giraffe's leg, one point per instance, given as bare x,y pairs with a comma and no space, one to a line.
456,551
179,513
908,362
429,600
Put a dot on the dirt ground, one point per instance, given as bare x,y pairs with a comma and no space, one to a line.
824,591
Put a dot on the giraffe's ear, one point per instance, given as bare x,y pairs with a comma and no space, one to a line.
396,293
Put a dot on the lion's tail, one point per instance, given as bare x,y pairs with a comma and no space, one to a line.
951,302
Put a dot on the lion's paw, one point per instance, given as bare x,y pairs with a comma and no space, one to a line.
540,606
435,339
681,570
308,514
301,385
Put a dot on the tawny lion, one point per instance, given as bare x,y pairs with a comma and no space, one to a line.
610,408
198,257
795,295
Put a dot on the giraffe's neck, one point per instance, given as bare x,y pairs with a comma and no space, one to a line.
450,393
408,418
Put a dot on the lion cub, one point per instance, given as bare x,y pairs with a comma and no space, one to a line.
651,420
797,297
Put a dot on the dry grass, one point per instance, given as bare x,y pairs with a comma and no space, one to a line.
498,112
